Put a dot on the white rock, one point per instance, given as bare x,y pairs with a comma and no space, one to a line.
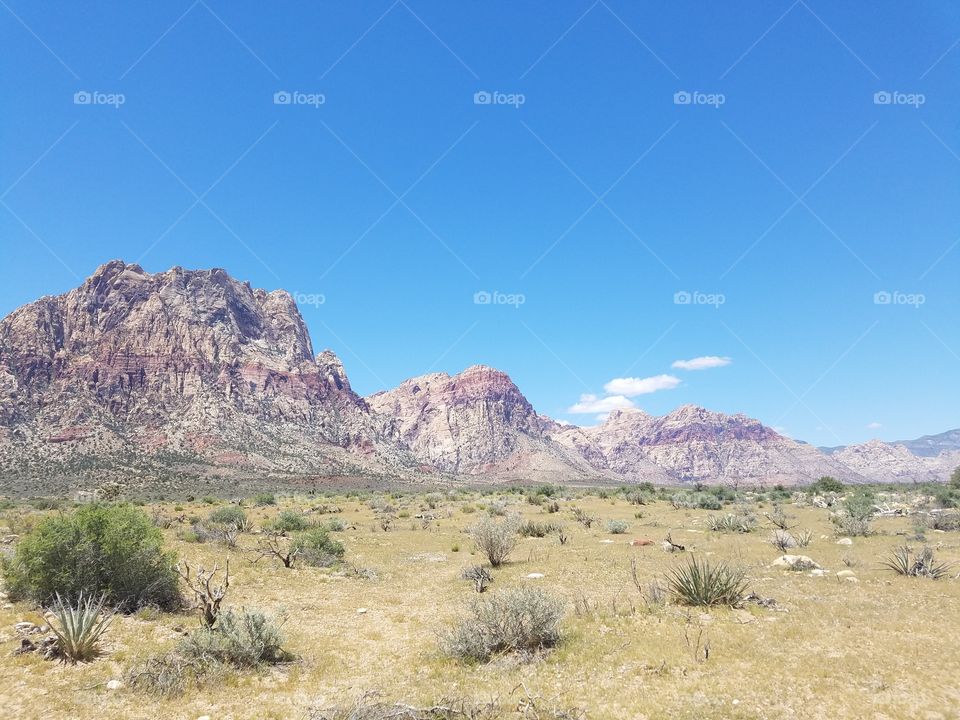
114,685
606,542
844,541
795,562
535,576
361,611
846,574
817,573
851,580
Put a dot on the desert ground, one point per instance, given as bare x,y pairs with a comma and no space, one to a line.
867,643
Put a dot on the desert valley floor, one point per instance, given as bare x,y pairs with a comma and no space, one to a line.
864,643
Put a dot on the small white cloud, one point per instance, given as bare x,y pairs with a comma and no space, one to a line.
702,363
874,426
591,404
631,387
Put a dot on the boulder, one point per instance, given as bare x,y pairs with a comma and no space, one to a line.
795,562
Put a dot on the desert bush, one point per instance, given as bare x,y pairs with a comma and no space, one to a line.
264,499
803,538
943,521
79,627
699,583
109,550
230,516
923,564
315,547
372,706
706,501
782,540
520,620
825,484
617,527
335,525
739,522
288,521
495,539
532,528
855,515
478,575
779,518
243,639
582,517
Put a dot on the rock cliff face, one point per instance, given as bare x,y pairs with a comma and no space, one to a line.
692,444
476,422
886,462
132,365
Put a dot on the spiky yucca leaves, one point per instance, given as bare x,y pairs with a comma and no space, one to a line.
700,583
80,627
924,564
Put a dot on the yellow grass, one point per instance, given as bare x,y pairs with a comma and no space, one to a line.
885,647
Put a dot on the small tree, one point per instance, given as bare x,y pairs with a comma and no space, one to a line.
826,484
955,478
495,539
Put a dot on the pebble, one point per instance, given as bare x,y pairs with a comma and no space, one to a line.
844,541
114,685
535,576
361,611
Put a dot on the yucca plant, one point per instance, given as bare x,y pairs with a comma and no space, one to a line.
81,627
700,583
924,564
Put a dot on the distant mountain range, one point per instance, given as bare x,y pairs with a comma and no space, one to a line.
192,374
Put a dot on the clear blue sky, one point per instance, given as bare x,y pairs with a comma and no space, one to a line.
597,199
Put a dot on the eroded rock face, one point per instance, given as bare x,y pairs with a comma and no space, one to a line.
692,444
475,422
189,362
886,462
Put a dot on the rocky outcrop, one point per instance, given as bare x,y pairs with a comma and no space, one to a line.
885,462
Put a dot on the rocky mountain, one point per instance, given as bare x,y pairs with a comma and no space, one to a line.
134,370
192,377
692,444
476,423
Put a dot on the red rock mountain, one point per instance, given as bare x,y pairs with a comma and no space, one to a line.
194,375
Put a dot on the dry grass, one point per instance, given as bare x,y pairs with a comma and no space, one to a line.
883,647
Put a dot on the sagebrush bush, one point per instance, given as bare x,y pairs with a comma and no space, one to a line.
520,620
264,499
242,639
617,527
109,550
496,539
532,528
315,547
699,583
230,516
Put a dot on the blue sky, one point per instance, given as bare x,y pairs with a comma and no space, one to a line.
581,191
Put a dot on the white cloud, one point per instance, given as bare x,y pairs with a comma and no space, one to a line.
591,404
631,387
702,363
874,426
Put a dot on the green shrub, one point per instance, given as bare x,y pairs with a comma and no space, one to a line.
264,499
315,547
532,528
700,583
109,550
524,620
924,564
738,522
229,515
289,521
824,485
